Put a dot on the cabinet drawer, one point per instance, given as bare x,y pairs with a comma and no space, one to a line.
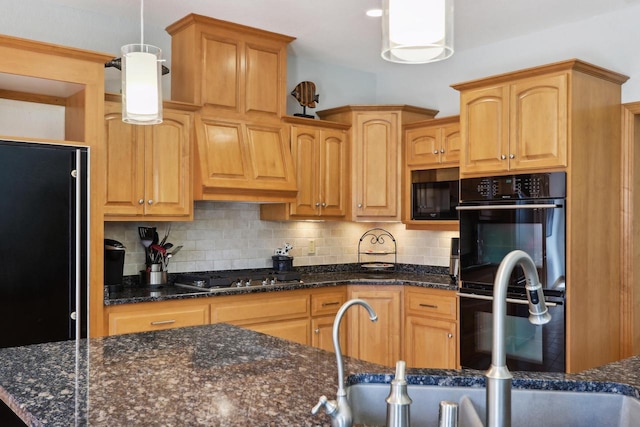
124,323
433,303
261,308
328,303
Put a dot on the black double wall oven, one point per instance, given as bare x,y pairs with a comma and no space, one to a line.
498,215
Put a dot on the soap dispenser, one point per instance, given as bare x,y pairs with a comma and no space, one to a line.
398,400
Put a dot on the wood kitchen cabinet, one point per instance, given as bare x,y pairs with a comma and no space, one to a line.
325,304
320,151
237,74
148,168
430,339
433,143
283,314
380,341
153,316
431,151
376,135
514,126
564,116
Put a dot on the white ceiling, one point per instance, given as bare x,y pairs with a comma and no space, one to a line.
338,30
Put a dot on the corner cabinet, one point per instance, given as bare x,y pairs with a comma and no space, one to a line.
320,151
376,135
148,168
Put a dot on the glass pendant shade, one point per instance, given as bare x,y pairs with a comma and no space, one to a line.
141,85
417,31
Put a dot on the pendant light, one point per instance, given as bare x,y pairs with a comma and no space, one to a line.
417,31
141,81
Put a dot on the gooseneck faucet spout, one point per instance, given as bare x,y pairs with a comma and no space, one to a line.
339,409
498,376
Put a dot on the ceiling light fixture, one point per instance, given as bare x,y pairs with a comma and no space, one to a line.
141,84
417,31
374,13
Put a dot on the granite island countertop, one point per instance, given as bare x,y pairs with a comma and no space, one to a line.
218,375
309,279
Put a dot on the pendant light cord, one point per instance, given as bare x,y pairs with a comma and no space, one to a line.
141,22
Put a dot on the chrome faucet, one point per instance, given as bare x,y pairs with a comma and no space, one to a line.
498,376
339,409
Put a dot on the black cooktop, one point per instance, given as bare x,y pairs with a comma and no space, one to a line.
226,279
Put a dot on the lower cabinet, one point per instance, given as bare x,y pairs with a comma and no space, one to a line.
430,339
152,316
284,314
380,341
325,304
418,325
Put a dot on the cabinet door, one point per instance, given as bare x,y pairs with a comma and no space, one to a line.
377,342
423,146
484,128
305,150
334,184
124,170
450,144
430,343
322,333
375,157
167,167
538,123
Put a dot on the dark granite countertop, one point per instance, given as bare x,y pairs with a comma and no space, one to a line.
431,277
218,375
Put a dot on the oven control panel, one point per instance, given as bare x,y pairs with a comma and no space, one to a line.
508,187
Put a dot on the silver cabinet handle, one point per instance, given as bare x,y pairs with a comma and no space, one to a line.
442,150
317,331
324,205
317,204
449,335
141,201
163,322
436,152
359,205
512,156
503,157
150,201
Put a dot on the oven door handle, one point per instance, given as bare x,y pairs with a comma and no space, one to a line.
510,300
492,207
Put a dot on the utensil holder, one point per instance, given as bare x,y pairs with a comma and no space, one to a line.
155,277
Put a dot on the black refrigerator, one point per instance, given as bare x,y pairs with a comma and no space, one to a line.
43,242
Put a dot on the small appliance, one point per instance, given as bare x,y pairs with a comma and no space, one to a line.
114,252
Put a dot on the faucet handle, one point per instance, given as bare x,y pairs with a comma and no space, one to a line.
330,406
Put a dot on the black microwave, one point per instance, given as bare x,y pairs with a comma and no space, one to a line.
435,199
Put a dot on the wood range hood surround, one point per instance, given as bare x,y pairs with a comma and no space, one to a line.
237,75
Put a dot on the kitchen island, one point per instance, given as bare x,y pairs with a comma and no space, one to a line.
218,375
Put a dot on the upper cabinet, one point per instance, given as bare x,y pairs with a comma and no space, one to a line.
148,168
230,69
433,143
376,135
521,121
237,74
320,151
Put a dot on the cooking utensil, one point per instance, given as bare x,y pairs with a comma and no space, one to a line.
176,250
166,235
146,238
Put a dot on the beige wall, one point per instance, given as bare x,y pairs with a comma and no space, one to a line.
232,236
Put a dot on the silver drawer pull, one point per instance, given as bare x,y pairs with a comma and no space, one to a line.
163,322
429,306
324,304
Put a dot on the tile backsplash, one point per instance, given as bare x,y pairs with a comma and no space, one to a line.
229,236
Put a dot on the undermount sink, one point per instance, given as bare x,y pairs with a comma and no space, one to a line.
529,408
